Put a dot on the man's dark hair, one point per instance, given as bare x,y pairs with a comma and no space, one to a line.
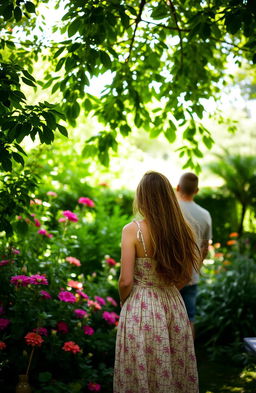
188,183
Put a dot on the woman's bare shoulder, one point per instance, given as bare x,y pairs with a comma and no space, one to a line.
129,228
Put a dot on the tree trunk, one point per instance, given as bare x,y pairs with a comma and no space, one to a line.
240,230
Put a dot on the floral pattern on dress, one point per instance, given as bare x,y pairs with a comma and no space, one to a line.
154,345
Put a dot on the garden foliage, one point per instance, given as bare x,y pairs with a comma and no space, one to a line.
58,296
227,298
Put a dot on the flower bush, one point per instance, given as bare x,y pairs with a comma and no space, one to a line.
56,298
226,310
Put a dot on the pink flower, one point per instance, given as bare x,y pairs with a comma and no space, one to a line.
37,222
67,297
88,330
2,345
4,322
44,233
62,219
36,202
75,284
110,317
38,279
71,346
45,294
73,261
94,305
110,261
112,301
94,387
82,294
62,327
34,339
5,262
20,280
52,193
41,330
86,201
70,215
15,251
100,300
79,313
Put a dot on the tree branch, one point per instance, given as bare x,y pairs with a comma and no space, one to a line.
173,11
138,19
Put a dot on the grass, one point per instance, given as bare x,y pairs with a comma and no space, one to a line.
223,375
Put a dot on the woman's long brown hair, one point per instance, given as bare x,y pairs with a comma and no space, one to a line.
174,245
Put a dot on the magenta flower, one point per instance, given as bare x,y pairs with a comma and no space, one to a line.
70,215
112,301
94,387
52,193
37,222
4,322
62,327
44,233
38,279
45,294
100,300
88,330
67,297
79,313
73,261
86,201
4,262
41,330
110,317
82,294
15,251
20,280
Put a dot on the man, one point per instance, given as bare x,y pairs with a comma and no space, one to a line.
201,222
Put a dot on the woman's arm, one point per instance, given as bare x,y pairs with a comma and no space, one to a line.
125,283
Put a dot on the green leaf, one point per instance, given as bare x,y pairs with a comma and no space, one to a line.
60,64
75,110
87,105
7,12
19,148
28,75
58,52
17,14
208,141
50,119
62,130
7,165
105,59
74,27
28,82
170,135
125,129
137,120
30,7
18,158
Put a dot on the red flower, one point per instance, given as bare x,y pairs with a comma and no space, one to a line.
94,387
34,339
2,345
231,242
111,261
71,346
233,234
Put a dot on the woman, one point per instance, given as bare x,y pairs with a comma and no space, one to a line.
154,346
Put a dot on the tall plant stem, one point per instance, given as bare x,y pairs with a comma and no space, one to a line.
30,359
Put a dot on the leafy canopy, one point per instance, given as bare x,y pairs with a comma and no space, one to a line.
165,58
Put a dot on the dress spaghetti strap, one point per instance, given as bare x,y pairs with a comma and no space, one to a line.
141,238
